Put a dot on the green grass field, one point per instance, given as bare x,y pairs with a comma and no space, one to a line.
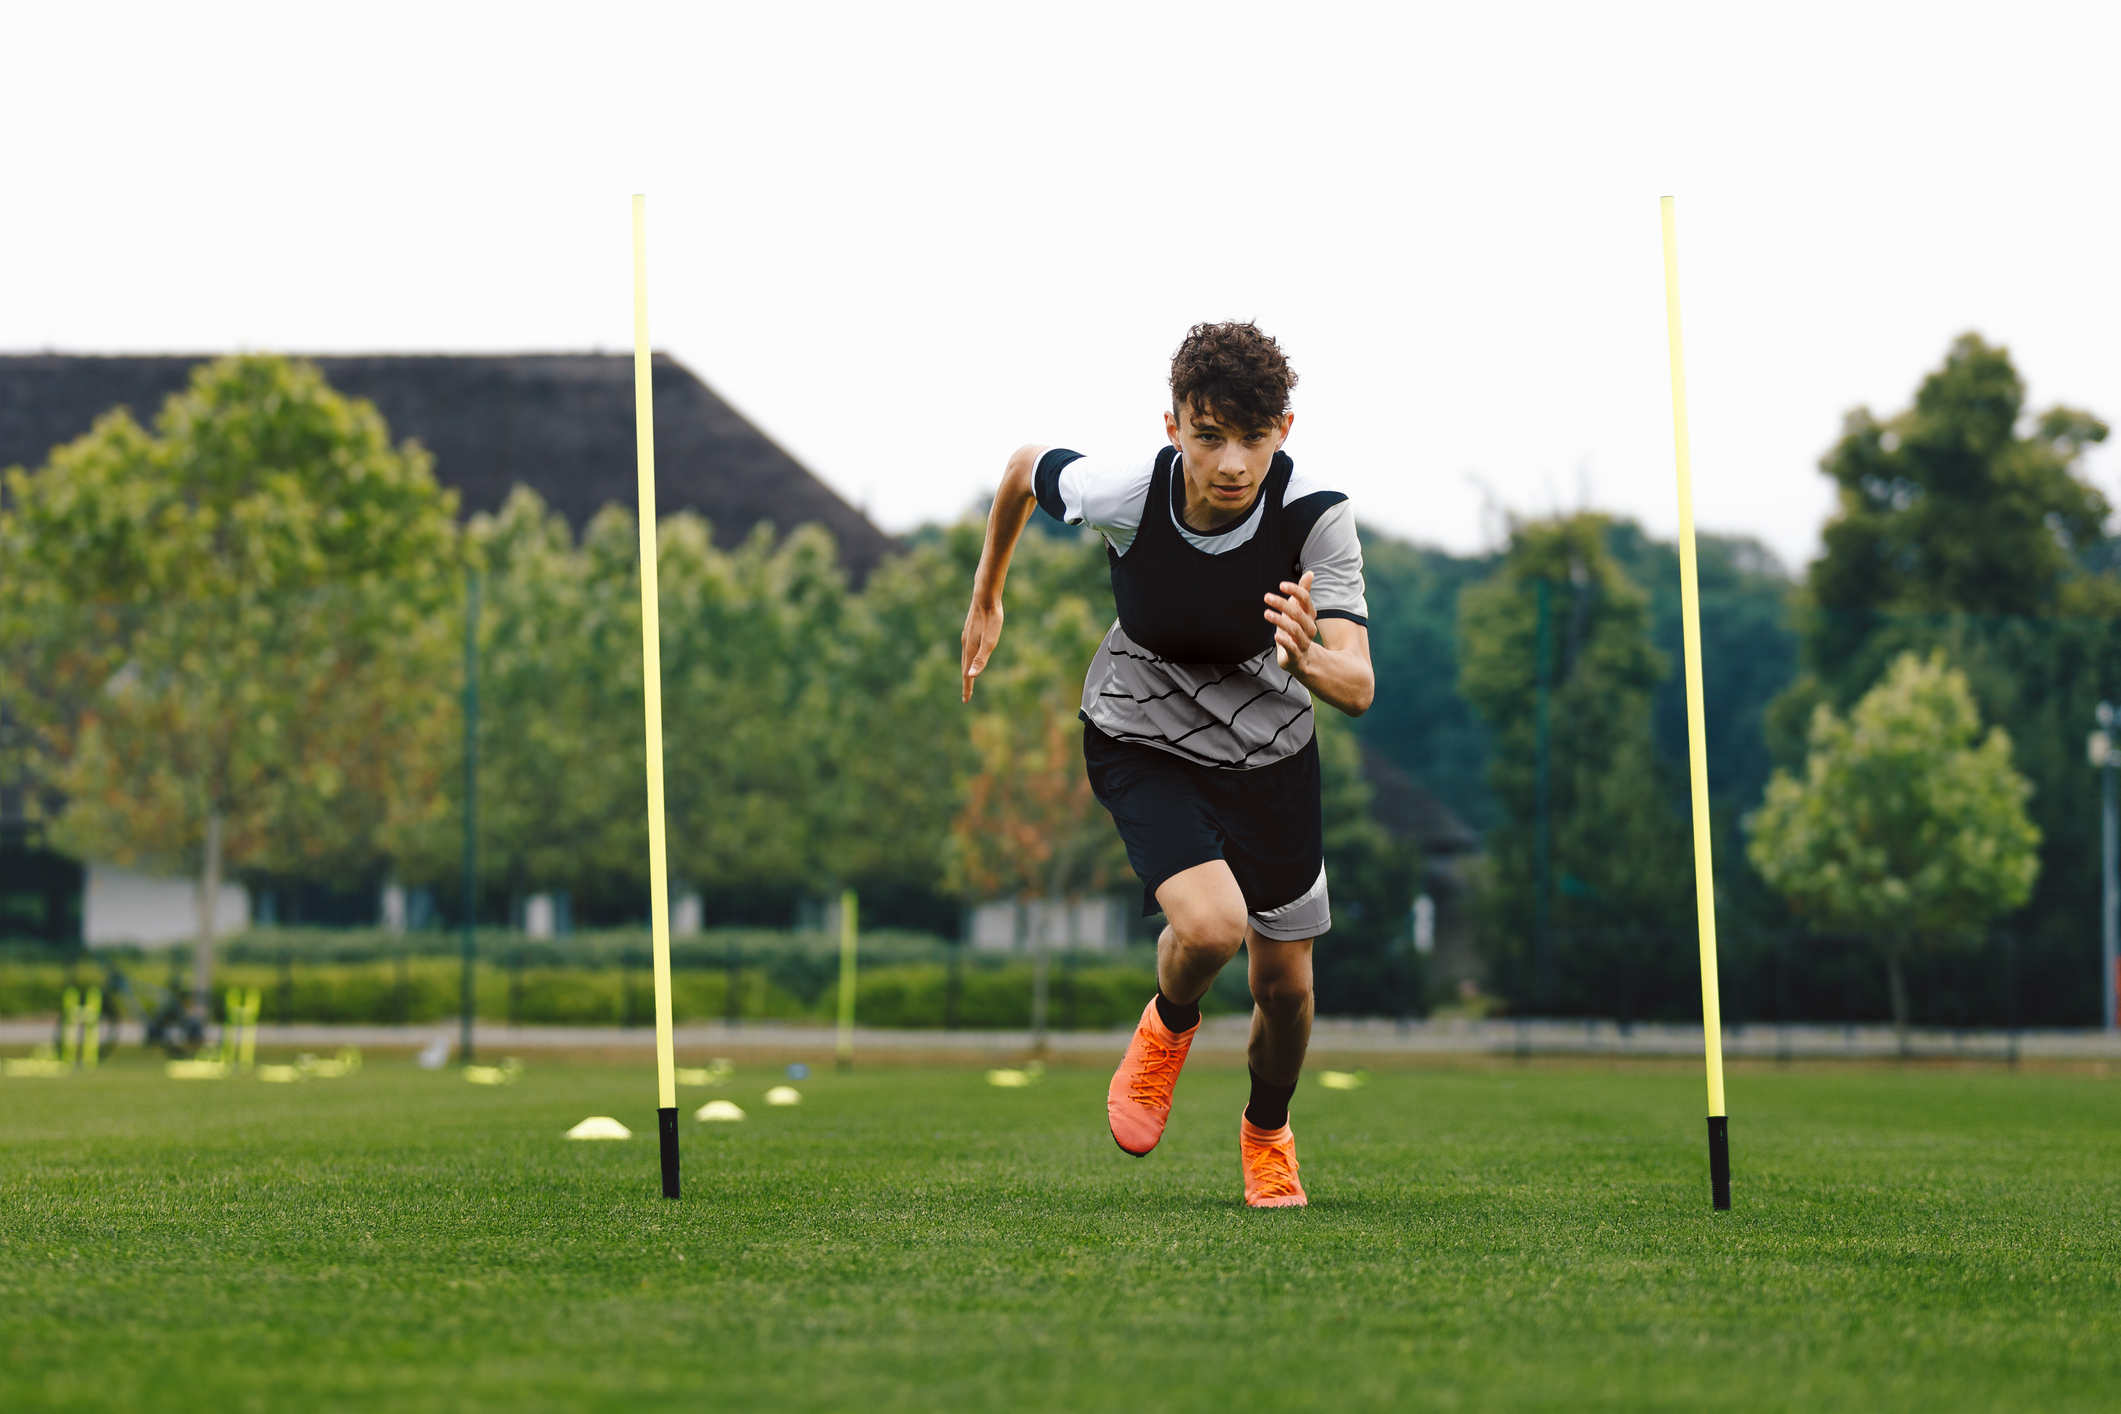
1481,1236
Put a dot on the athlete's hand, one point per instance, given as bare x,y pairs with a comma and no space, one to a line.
983,629
1295,624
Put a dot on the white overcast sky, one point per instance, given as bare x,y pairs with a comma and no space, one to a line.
906,238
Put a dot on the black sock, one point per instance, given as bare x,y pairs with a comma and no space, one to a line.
1269,1108
1175,1016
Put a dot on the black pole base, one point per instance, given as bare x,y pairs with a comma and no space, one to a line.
1720,1162
666,1123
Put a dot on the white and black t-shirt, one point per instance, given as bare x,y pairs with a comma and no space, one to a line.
1189,667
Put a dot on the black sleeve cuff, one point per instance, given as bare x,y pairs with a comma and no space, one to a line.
1349,615
1045,482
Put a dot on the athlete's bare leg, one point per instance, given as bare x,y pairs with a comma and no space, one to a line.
1281,1008
1207,916
1207,925
1281,1031
1207,922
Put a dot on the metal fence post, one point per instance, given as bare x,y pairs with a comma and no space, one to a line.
469,990
1543,825
2109,873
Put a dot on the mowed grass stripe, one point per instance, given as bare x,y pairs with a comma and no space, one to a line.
1491,1236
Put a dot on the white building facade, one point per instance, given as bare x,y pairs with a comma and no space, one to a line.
1094,924
123,907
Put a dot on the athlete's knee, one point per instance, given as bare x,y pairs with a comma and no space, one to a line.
1281,992
1209,928
1280,975
1206,909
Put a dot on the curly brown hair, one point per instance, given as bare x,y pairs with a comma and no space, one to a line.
1233,373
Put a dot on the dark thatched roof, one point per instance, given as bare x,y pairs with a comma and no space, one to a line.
561,424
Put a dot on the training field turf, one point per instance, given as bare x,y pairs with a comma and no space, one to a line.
1481,1236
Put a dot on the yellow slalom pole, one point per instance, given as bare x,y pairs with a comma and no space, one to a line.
247,1029
1697,740
849,940
666,1079
69,1044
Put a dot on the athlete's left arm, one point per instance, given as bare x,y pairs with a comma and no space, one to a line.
1337,669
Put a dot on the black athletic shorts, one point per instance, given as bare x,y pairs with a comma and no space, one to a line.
1266,824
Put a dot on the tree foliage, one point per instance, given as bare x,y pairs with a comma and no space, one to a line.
1748,650
1952,505
1959,505
800,746
222,628
1966,523
246,622
1907,818
1909,823
1029,826
1420,721
1618,844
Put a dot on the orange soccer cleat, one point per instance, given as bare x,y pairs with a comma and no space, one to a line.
1269,1159
1139,1100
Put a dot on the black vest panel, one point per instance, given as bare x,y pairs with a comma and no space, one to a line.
1189,606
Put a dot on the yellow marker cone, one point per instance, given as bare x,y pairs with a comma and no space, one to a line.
207,1069
1017,1079
600,1127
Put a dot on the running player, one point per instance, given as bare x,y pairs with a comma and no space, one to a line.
1240,592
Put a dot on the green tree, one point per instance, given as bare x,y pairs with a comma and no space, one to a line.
1618,845
1909,824
806,736
1967,523
1748,651
1423,724
234,630
1027,824
753,644
1368,967
900,740
1952,505
1420,721
561,782
752,639
1959,505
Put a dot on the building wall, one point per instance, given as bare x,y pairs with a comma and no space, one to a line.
1097,924
122,906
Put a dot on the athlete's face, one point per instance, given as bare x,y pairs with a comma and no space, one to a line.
1224,465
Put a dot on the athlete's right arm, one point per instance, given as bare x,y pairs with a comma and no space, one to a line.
1005,524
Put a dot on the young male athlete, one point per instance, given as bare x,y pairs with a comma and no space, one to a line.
1240,593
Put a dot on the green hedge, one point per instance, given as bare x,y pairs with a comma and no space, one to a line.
423,990
1084,998
32,989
